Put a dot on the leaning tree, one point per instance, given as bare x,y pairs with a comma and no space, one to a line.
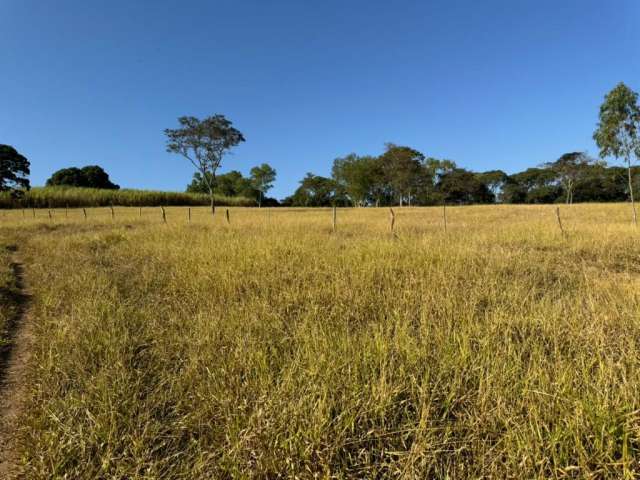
14,169
204,143
617,131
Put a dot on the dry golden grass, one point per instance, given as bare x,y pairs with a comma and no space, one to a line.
270,347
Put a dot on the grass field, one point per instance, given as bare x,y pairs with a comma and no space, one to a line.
271,347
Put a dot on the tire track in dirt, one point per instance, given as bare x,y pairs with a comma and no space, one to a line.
14,356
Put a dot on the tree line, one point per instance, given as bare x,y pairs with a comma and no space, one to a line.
402,175
234,184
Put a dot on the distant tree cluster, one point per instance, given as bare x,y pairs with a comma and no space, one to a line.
234,184
404,176
91,176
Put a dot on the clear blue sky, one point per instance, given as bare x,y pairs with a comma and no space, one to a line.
490,84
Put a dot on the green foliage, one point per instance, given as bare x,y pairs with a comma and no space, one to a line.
60,197
463,187
617,130
14,170
404,175
91,176
494,180
358,177
569,169
230,184
402,167
262,178
314,191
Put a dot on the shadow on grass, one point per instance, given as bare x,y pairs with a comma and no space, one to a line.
14,300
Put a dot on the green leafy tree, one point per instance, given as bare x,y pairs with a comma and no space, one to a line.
204,143
262,178
495,180
91,176
569,169
600,183
534,185
14,170
463,187
431,172
98,178
402,167
314,191
617,131
70,177
230,184
357,177
198,183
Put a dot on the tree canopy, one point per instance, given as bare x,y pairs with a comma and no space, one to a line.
230,184
262,178
91,176
14,170
617,131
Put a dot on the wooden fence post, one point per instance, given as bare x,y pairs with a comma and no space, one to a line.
444,215
189,214
335,226
140,212
84,212
164,215
564,234
50,216
226,213
23,213
113,214
392,218
34,212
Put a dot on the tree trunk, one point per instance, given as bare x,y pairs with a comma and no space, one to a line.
260,199
633,204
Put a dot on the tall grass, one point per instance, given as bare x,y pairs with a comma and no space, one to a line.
273,348
61,197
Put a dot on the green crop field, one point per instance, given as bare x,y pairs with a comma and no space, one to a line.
270,346
64,197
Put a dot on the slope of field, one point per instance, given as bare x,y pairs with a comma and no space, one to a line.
62,197
271,347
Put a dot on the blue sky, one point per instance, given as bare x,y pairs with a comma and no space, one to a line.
490,84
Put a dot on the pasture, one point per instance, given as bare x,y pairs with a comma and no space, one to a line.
271,346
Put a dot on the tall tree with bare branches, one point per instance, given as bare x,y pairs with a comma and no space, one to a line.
204,143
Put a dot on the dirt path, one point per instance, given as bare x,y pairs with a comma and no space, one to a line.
13,361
